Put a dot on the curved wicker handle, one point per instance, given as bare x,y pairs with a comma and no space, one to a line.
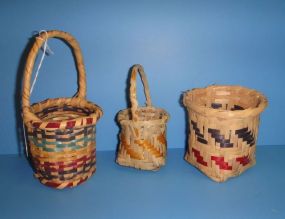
33,54
133,89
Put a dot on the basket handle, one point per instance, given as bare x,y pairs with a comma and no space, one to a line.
133,90
39,41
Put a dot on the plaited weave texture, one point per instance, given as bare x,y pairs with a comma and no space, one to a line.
61,131
223,126
143,130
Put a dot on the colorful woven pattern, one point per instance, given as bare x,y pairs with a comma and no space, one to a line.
143,130
223,125
61,131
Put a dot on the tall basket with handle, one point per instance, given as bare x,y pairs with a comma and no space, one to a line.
61,131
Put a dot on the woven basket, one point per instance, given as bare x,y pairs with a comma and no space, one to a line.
223,125
143,130
60,132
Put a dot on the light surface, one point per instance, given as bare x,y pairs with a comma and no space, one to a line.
177,191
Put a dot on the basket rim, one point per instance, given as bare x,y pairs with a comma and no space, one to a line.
165,116
221,113
32,120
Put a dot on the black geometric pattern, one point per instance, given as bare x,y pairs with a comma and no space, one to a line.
245,134
219,105
224,143
216,105
200,136
236,107
60,134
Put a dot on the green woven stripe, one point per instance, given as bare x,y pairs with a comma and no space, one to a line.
59,145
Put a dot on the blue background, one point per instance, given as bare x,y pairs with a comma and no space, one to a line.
181,44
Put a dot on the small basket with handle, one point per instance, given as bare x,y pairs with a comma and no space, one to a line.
143,130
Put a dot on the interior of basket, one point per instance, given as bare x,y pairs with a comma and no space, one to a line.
228,98
144,114
61,113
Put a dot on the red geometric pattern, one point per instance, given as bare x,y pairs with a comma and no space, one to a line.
69,124
221,163
199,158
243,160
57,185
60,166
53,125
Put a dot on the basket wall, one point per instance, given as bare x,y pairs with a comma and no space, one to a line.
223,127
62,157
221,148
142,143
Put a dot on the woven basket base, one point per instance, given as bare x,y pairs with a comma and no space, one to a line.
68,184
216,177
140,164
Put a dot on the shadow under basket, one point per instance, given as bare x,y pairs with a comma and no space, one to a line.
223,127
